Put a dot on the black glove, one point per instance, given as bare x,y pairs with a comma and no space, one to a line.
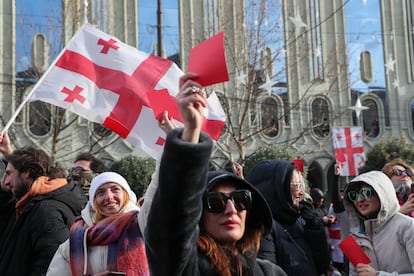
308,213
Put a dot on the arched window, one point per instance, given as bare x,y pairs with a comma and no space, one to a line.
316,68
366,36
370,118
40,118
269,117
320,117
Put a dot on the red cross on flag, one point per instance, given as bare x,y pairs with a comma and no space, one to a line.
106,81
349,149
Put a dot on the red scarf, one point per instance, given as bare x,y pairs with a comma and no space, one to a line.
126,251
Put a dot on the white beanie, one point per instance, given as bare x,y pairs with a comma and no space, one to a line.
107,177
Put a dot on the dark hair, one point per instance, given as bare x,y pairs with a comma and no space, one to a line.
35,161
258,222
316,194
223,260
97,166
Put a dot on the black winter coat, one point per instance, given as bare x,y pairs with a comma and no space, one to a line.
28,244
293,245
172,228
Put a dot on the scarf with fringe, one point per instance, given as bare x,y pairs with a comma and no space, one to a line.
121,233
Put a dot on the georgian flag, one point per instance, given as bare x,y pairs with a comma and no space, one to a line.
106,81
349,149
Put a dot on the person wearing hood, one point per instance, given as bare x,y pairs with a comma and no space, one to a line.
298,241
106,238
202,223
385,235
401,176
318,199
44,207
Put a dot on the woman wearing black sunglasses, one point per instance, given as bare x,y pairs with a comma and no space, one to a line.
202,223
385,235
401,176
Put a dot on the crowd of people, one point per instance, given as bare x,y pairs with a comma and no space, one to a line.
192,221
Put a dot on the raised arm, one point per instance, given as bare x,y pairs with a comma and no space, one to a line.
192,102
5,146
172,231
337,201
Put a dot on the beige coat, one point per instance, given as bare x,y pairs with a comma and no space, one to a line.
389,238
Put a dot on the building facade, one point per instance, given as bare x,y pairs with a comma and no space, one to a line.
295,68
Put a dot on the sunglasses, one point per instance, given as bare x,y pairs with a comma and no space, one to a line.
399,172
297,185
216,202
78,170
363,193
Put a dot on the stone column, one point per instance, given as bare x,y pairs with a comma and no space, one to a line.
7,58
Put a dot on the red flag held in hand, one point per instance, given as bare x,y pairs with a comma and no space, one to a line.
353,251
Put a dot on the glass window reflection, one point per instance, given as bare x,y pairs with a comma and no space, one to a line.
364,33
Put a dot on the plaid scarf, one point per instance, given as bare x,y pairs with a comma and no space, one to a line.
126,251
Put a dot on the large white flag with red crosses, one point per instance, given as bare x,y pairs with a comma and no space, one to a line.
349,149
106,81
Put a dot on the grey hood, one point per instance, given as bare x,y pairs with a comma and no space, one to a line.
386,194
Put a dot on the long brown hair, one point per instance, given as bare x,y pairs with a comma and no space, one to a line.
226,261
100,215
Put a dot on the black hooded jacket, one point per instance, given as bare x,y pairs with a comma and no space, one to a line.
172,229
293,244
29,242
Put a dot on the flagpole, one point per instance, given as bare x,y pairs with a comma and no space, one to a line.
20,107
17,111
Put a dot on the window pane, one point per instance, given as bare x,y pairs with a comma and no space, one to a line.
148,33
40,118
269,115
363,23
320,117
33,17
364,33
370,118
316,40
40,16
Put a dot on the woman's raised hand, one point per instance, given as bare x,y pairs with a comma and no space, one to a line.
192,102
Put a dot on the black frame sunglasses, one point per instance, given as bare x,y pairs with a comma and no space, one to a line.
399,172
216,202
78,170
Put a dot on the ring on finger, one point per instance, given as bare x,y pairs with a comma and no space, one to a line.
192,89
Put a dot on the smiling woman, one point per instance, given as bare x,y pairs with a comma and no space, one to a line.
108,227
